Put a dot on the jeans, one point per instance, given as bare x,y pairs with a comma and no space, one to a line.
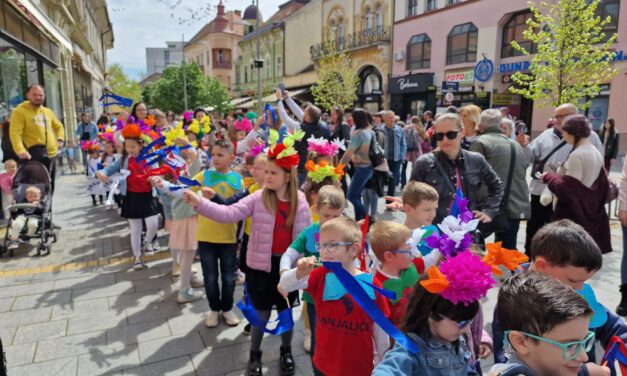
371,199
623,263
395,169
212,256
509,238
404,173
540,216
358,182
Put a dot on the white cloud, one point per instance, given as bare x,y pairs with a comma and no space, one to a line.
138,24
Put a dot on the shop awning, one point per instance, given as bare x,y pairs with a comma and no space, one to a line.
237,101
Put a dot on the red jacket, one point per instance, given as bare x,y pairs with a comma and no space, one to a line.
583,205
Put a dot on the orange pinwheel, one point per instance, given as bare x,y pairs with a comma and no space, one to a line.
437,281
497,255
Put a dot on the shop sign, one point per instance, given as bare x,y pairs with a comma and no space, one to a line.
484,70
519,66
505,99
450,86
412,83
463,77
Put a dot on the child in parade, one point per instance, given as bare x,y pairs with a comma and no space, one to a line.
138,198
108,157
564,251
330,205
33,196
546,326
279,213
347,341
420,203
94,186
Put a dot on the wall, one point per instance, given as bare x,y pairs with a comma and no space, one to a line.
302,30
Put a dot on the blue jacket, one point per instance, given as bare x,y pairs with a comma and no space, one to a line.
91,128
115,167
433,359
400,143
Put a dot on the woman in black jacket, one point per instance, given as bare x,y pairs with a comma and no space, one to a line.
609,138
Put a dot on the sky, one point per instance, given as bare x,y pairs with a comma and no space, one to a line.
138,24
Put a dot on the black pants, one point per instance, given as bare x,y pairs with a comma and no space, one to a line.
540,216
509,237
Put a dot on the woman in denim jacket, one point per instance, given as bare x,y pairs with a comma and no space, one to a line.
437,326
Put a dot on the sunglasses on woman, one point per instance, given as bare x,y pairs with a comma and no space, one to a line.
451,135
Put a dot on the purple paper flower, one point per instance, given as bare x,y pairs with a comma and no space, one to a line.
447,246
465,215
131,120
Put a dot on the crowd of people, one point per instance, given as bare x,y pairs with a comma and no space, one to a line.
261,199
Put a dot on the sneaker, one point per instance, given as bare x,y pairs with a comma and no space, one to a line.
240,278
156,246
138,264
230,318
149,251
196,281
212,318
188,295
246,330
307,340
176,269
13,244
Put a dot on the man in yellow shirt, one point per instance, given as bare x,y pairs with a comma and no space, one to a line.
36,133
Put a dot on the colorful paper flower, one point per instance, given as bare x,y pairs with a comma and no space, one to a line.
90,146
320,146
497,256
131,130
243,125
150,121
455,236
318,172
200,128
284,154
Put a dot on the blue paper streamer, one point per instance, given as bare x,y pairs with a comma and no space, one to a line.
613,355
270,109
284,320
369,306
144,152
455,210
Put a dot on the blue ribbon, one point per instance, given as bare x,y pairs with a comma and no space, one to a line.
284,320
613,355
187,183
144,152
270,109
369,306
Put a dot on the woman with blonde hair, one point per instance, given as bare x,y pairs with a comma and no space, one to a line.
470,115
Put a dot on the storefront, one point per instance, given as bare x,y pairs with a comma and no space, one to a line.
519,106
370,89
458,89
412,94
27,56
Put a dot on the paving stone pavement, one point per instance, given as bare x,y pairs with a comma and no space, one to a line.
104,319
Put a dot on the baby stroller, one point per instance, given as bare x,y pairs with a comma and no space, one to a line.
32,173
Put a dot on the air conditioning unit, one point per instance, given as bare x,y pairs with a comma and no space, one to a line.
400,55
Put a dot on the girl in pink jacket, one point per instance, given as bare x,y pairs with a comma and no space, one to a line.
279,213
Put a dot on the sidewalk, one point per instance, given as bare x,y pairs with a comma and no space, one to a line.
81,311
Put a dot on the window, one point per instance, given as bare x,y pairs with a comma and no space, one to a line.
221,56
340,36
451,2
166,57
279,67
379,19
246,75
268,68
368,28
412,8
238,72
609,8
513,31
431,5
419,52
370,80
462,44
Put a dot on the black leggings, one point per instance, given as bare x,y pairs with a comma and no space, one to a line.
256,334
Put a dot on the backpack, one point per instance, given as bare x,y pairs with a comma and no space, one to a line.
410,136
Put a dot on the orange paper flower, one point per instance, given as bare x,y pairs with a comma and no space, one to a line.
131,131
497,255
437,281
150,121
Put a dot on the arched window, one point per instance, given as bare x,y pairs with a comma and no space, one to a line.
513,31
340,36
378,19
370,80
462,44
419,52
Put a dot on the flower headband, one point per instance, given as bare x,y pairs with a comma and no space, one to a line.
134,131
318,172
284,154
200,128
243,125
90,146
108,135
173,133
320,146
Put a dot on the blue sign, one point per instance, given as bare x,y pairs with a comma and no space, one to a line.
450,86
484,70
514,67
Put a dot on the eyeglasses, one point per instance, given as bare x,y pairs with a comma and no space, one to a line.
451,135
570,350
460,324
332,247
402,252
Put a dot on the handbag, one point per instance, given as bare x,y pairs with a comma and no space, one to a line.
538,166
500,222
377,157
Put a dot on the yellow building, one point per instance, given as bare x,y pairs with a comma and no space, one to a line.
362,28
215,47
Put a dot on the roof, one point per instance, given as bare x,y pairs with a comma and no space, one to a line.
249,12
276,20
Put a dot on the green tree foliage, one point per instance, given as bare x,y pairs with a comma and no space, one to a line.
337,80
122,85
167,92
573,57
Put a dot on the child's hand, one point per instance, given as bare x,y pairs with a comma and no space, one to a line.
260,121
597,370
281,291
396,203
305,266
181,141
155,181
102,177
208,193
484,351
191,198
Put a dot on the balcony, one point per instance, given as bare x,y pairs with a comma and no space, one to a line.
353,42
221,65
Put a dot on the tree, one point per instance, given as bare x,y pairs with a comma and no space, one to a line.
167,92
122,85
337,80
573,56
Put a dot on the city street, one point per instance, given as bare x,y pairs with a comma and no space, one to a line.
81,311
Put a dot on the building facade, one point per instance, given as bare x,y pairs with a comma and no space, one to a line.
215,47
59,45
159,58
459,52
